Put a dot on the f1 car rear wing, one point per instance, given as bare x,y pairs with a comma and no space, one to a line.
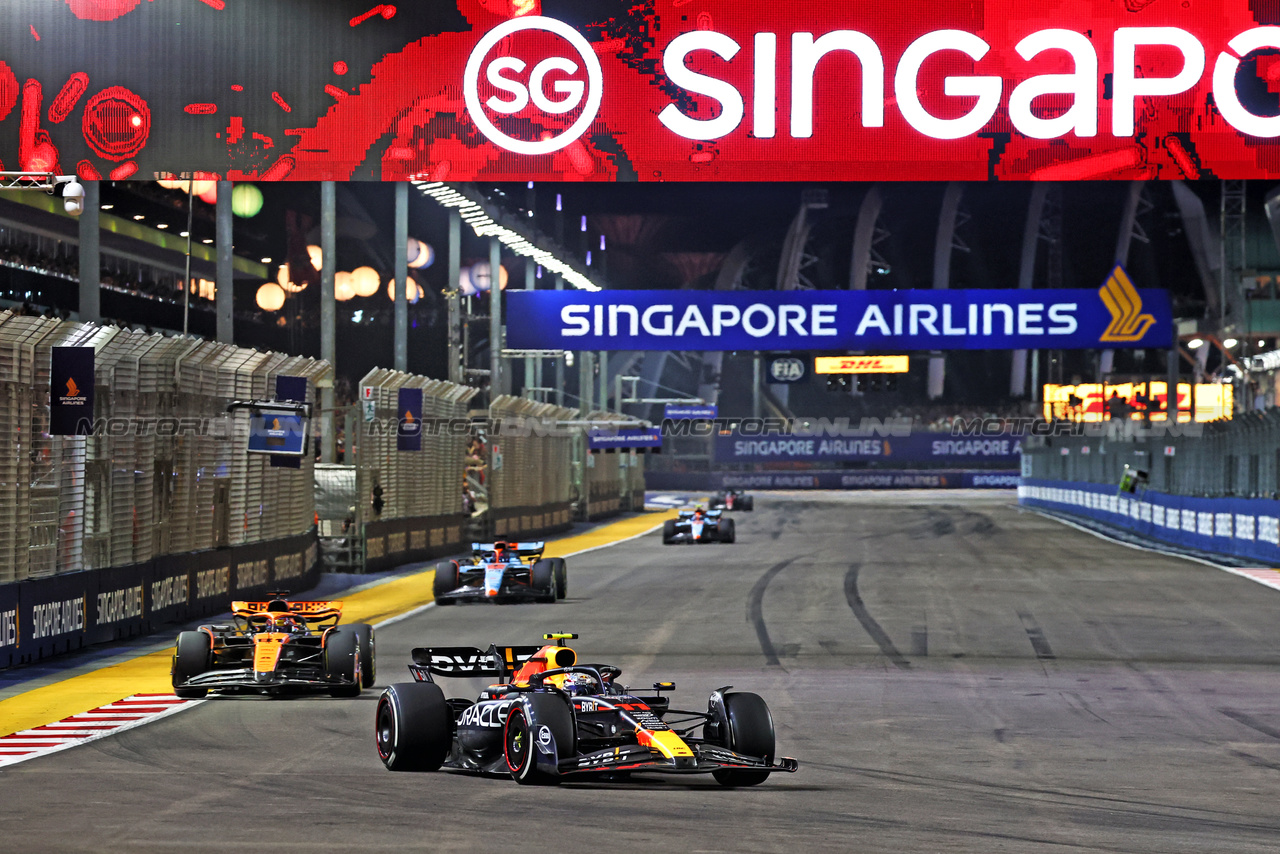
312,612
688,514
499,662
529,550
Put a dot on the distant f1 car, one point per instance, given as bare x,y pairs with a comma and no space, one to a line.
502,572
549,718
698,526
276,647
732,499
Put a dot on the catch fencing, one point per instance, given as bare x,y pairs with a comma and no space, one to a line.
408,504
129,515
531,448
1214,492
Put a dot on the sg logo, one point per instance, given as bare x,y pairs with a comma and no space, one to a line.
554,72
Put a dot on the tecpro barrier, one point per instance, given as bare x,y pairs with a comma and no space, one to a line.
62,613
863,479
1242,527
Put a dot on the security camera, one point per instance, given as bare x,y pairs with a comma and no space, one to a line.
73,198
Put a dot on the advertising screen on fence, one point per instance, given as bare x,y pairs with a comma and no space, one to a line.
828,320
617,90
936,448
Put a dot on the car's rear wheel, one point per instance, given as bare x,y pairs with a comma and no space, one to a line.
342,662
191,658
747,729
747,504
542,578
668,532
413,727
368,658
542,719
728,532
562,576
448,579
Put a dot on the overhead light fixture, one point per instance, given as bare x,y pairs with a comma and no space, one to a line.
1229,343
107,207
207,240
1195,343
162,225
266,260
484,226
139,217
184,234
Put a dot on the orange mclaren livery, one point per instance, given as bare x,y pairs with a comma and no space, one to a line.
276,647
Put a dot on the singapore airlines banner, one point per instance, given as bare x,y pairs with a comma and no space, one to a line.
1117,315
648,90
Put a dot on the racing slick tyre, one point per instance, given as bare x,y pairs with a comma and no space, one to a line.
448,579
749,732
728,533
413,727
543,579
342,662
747,504
525,723
562,576
368,660
191,658
668,532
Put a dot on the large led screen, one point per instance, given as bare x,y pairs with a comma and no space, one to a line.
647,90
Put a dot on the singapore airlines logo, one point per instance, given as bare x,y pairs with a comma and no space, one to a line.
73,390
1121,298
275,423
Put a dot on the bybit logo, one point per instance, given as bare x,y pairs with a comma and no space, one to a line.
1121,298
505,73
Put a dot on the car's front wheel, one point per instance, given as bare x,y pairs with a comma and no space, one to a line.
413,727
542,722
747,729
342,662
191,657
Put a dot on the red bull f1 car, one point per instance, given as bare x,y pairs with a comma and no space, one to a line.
732,499
276,647
502,572
698,526
549,718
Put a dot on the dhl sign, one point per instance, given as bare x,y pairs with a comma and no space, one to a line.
861,364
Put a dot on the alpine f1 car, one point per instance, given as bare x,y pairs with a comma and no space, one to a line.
502,572
698,526
732,499
276,647
549,718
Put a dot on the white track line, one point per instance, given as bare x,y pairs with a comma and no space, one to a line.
1262,575
123,714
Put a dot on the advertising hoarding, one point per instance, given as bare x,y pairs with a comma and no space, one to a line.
826,320
642,90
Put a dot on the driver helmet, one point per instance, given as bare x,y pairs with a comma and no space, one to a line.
699,511
500,551
577,684
284,623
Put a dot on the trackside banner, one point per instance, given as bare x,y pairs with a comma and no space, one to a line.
642,90
875,321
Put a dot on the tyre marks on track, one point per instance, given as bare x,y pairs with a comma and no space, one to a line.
1035,634
868,622
755,611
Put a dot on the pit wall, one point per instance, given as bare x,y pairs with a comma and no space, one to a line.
1240,527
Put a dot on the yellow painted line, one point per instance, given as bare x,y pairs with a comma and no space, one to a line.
149,674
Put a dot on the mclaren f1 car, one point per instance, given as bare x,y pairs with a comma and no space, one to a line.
699,526
276,647
502,572
549,718
732,499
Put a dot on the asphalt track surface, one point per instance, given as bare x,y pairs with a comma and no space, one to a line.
953,675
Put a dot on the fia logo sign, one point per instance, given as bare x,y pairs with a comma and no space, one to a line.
786,370
552,84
